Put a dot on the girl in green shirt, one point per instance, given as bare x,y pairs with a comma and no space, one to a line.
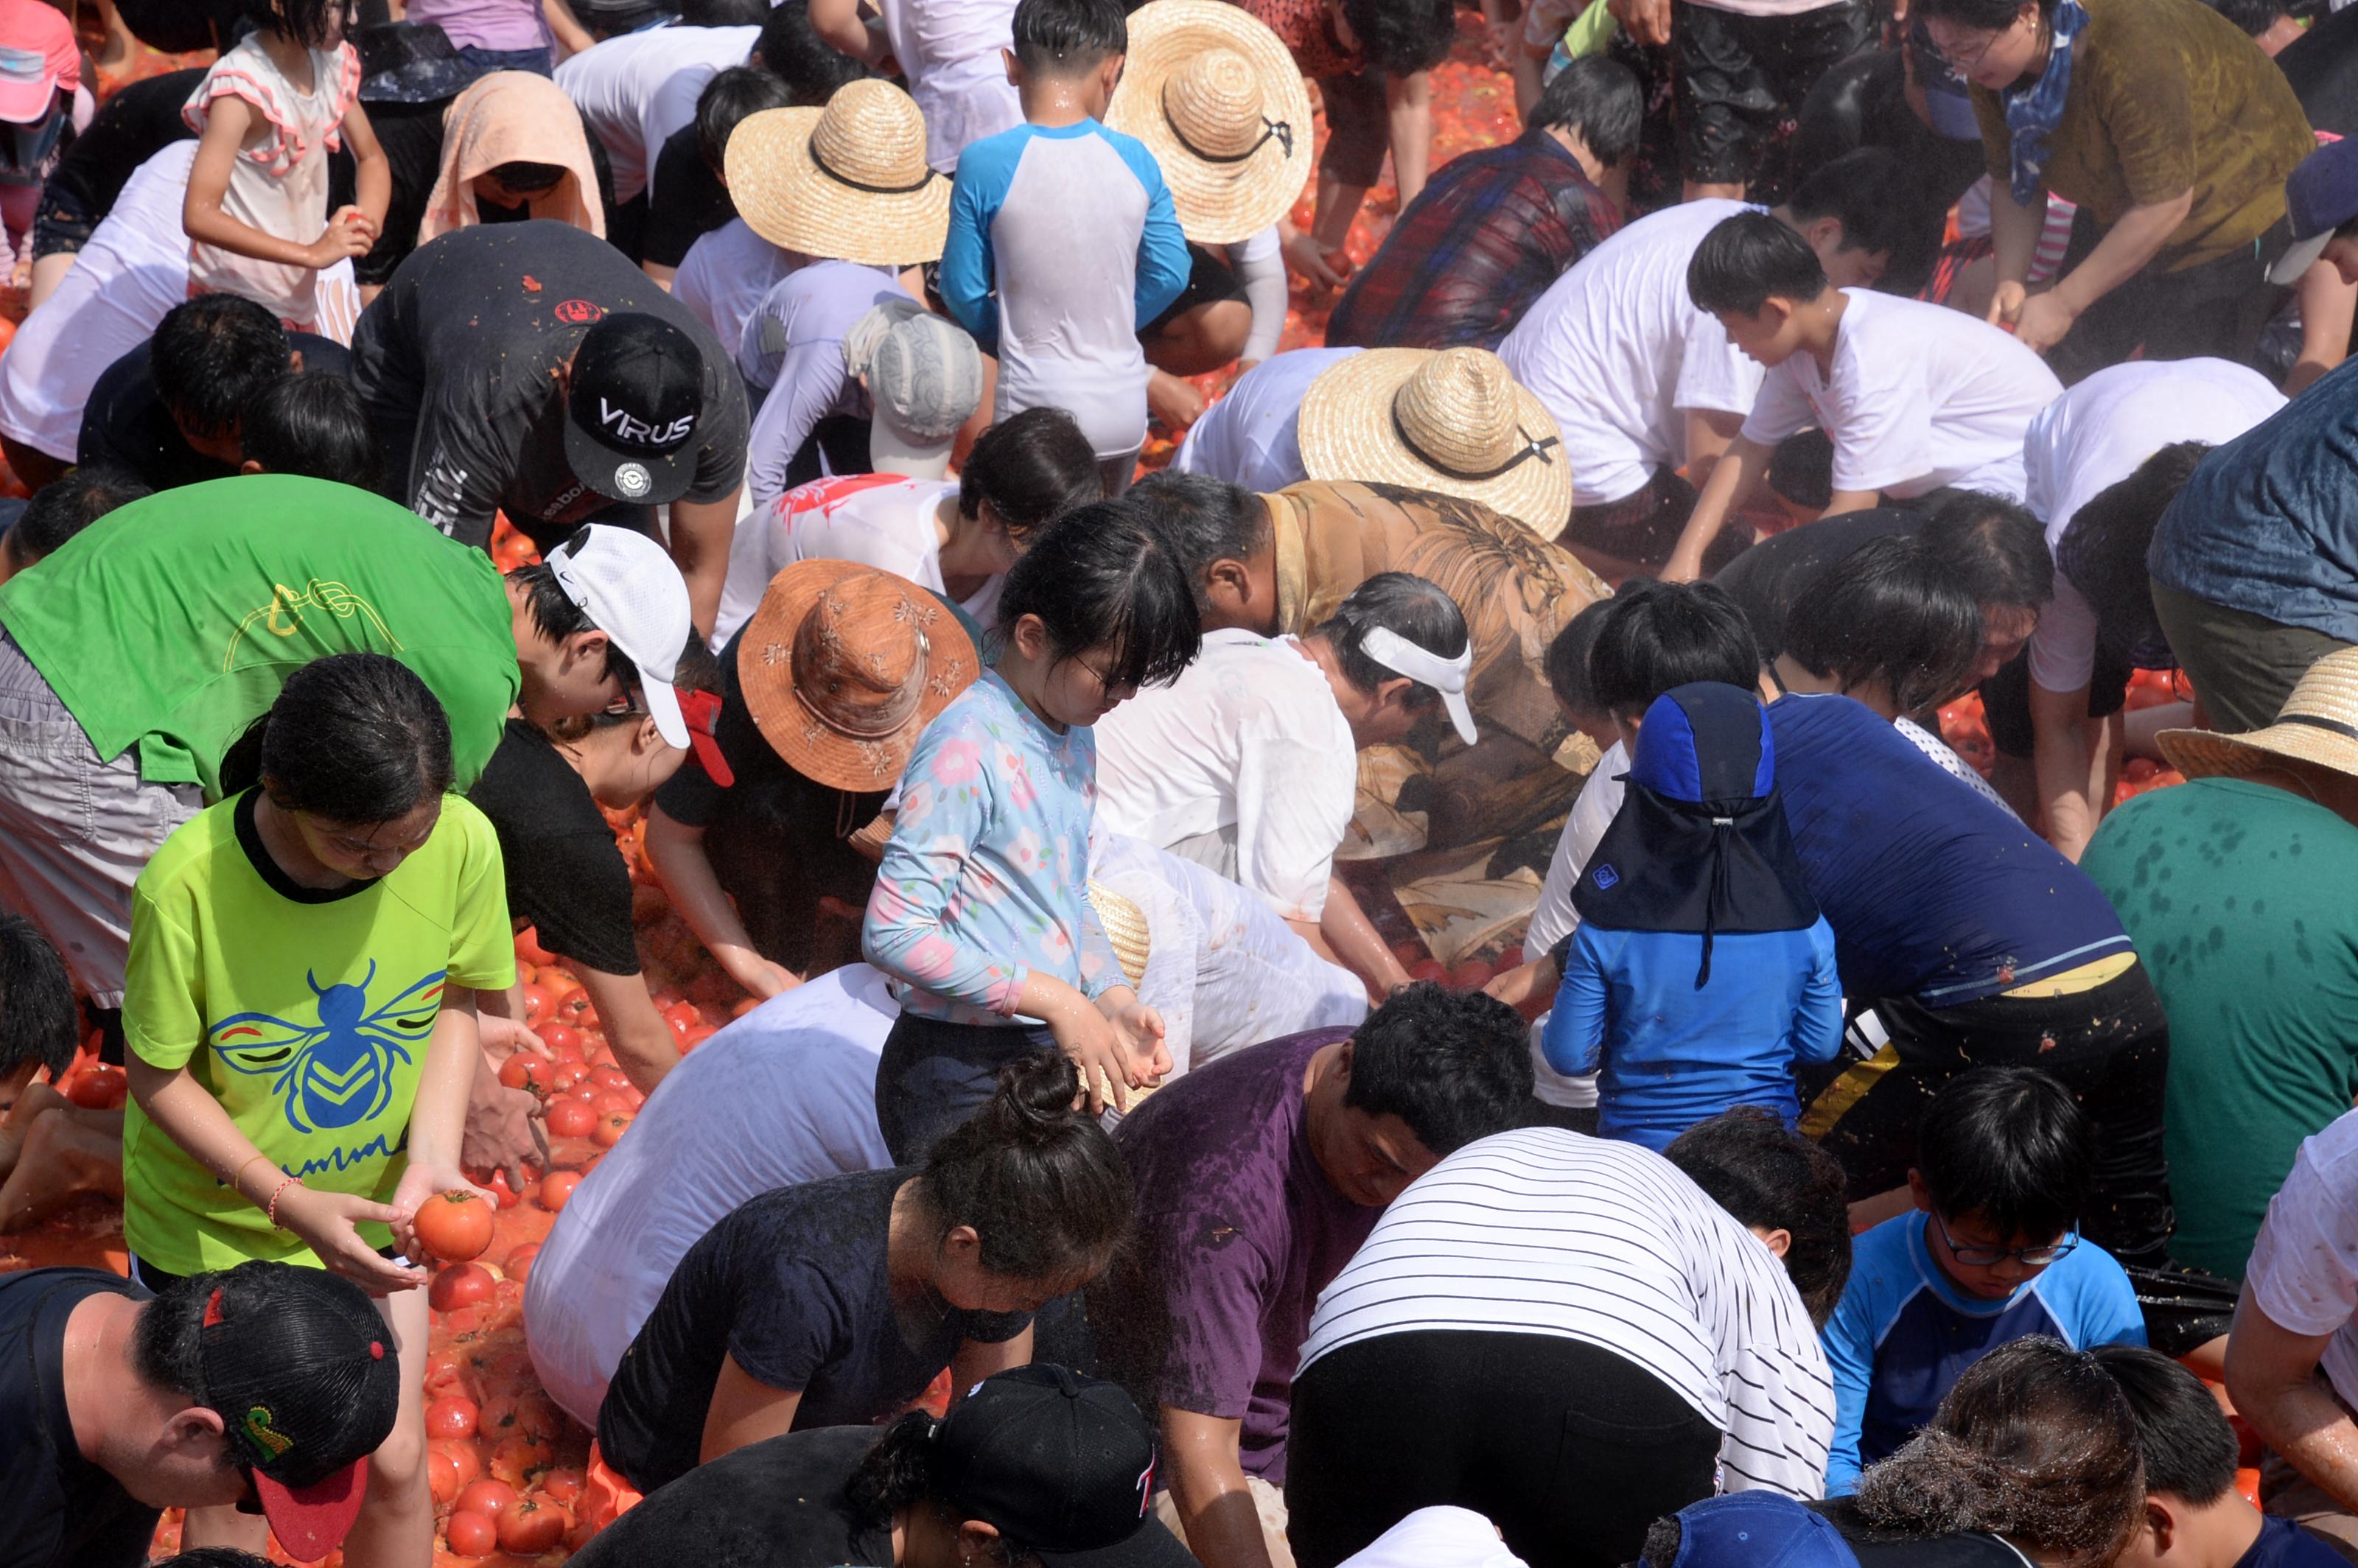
300,1020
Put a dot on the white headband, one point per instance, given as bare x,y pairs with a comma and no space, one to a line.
1447,676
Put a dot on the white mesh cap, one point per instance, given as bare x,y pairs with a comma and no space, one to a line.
924,374
627,585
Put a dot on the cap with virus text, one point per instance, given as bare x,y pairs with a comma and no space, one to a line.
631,416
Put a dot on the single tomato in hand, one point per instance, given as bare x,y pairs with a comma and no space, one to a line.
454,1225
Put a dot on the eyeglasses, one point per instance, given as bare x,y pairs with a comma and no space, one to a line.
1963,63
1105,682
1989,1256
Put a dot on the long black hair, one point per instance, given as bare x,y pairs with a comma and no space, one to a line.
37,1021
354,738
314,24
2104,547
1046,1190
1100,576
1030,469
1887,612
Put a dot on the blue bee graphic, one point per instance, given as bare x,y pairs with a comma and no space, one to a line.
338,1071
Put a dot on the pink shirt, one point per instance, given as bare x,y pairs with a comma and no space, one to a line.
485,23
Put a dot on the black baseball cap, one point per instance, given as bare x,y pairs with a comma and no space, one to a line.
2321,195
1060,1464
632,416
304,1375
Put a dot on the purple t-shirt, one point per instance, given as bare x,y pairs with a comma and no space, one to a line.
1237,1231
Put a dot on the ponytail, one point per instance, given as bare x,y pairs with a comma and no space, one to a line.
1045,1189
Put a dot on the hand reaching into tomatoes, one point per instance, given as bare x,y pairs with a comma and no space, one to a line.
503,1129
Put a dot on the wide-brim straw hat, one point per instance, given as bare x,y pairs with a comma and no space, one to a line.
2319,726
848,182
1450,420
844,665
1216,96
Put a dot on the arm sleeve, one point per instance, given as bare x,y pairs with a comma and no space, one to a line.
1780,410
1574,1042
1818,1020
163,1015
1260,268
575,889
1163,263
784,1335
2110,1313
2304,1268
984,172
1715,376
2063,644
720,460
385,374
1218,1294
1292,808
1848,1340
2146,111
1774,1377
669,109
482,946
810,381
1101,968
1882,431
945,806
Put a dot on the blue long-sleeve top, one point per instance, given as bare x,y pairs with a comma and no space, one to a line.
1903,1333
1063,243
1668,1054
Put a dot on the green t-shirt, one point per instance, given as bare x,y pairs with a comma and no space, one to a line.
2239,898
306,1014
170,625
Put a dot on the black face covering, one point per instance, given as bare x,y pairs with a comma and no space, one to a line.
1699,843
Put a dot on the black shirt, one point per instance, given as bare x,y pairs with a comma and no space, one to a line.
691,202
2322,66
779,1503
792,1285
796,803
1876,1548
136,123
1765,580
125,425
457,363
565,874
60,1507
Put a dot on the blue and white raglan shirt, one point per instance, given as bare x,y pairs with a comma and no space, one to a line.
1903,1334
1063,244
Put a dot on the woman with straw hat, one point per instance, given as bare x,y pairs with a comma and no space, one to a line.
1215,97
2253,945
823,695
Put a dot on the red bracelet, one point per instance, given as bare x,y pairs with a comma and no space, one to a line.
270,1212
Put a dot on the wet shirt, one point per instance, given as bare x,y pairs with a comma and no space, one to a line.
457,362
1237,1231
780,1503
125,425
62,1509
566,878
793,1288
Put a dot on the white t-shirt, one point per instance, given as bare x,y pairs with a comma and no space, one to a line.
948,52
1249,745
1543,1231
639,88
785,1094
2304,1267
2096,435
1617,350
1252,435
726,273
1437,1537
1921,397
879,520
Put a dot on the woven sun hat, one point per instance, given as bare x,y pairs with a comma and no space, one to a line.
1451,420
1217,99
2319,726
843,666
848,182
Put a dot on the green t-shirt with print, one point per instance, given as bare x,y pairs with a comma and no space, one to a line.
305,1013
2238,897
168,625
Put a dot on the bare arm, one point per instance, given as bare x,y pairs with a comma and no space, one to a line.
977,1359
2068,759
2041,320
700,532
840,25
661,274
645,1047
2271,1376
1710,432
677,852
1354,943
571,37
227,121
745,1411
1733,479
372,174
1408,101
2327,306
1208,1484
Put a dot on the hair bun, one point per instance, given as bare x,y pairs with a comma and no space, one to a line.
1035,1095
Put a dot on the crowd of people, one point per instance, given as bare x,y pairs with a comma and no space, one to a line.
1868,1158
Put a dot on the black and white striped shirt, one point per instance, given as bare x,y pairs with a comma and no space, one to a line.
1544,1231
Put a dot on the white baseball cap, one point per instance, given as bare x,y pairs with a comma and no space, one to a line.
627,585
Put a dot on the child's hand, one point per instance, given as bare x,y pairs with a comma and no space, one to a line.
1096,1046
324,1222
1141,1028
419,1183
349,234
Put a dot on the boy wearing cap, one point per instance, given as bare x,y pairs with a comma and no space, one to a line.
263,1388
1063,240
527,369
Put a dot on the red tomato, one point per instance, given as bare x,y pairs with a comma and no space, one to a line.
451,1417
98,1088
569,1117
469,1534
441,1474
1408,953
557,1187
454,1225
462,1285
563,1484
1512,958
525,1071
564,1041
682,1016
1470,977
740,1008
566,1076
442,1375
519,1268
529,948
1428,970
610,1129
500,1190
608,1101
537,1002
610,1078
518,1458
463,1455
486,1498
665,997
694,1037
531,1525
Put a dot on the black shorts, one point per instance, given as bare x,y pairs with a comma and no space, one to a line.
1210,281
1738,77
63,222
2006,697
933,1074
1643,526
1358,127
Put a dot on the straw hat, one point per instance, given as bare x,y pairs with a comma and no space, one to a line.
844,665
848,182
1217,99
1452,420
2318,725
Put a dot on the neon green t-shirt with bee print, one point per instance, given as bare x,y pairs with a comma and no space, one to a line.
305,1013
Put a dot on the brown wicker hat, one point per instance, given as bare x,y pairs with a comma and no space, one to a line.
848,182
1452,420
2319,726
1216,97
843,666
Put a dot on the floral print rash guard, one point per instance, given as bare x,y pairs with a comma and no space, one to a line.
985,878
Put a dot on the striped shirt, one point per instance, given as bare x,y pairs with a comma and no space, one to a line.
1544,1231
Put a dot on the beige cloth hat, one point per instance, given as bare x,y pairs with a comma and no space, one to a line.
2318,725
1216,96
1450,420
848,182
